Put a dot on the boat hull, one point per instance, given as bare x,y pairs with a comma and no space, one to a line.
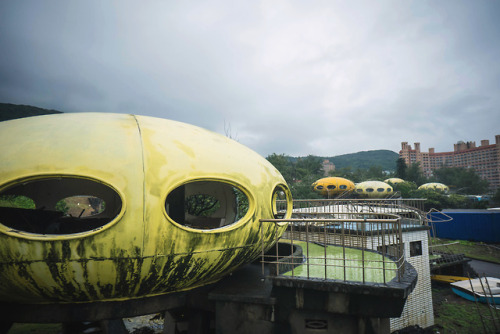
484,290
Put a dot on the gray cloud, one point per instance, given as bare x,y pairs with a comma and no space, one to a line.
321,77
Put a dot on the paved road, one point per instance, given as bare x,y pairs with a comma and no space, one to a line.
487,268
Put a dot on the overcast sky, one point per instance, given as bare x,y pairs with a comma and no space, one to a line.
293,77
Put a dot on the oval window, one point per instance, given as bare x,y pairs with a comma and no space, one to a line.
280,203
389,189
206,204
359,190
55,205
380,190
369,190
331,186
343,186
319,187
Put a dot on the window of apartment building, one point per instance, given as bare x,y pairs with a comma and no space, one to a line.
415,248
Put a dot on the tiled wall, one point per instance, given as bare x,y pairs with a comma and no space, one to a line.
418,308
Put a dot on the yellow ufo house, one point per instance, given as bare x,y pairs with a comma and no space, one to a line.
332,186
394,180
373,189
435,186
149,206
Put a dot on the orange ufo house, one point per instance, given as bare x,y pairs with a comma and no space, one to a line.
332,186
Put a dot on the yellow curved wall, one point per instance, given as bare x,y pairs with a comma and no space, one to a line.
142,252
370,189
394,180
434,186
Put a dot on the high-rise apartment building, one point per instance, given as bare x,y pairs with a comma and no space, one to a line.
484,159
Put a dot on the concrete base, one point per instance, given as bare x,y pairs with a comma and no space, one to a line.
247,301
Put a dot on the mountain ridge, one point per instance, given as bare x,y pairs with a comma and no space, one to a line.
386,159
366,159
10,111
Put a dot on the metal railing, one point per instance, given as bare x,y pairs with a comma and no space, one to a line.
400,206
363,246
441,252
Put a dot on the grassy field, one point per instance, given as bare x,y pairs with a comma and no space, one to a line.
453,314
473,250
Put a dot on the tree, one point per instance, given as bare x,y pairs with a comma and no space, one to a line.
375,173
407,189
360,175
310,165
462,180
414,174
283,164
302,189
16,201
401,168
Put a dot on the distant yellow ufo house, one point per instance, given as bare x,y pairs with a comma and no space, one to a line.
152,206
332,186
435,186
394,180
373,189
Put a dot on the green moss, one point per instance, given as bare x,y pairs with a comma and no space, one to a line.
354,258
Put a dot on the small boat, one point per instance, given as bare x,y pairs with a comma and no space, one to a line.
448,278
483,289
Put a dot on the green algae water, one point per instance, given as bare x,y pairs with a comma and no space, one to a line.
334,260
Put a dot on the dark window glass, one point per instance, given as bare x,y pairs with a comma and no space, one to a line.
206,204
415,248
280,202
58,205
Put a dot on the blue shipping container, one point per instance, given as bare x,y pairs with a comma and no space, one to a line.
473,225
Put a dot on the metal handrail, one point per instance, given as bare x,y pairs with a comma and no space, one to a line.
368,235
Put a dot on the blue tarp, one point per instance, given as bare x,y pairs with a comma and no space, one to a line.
473,225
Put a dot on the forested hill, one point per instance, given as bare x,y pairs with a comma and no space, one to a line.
361,160
13,111
365,159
